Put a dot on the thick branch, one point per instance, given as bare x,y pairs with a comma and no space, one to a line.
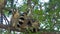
14,29
10,28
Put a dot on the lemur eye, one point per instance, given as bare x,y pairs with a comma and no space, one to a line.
20,22
33,20
21,18
18,25
29,23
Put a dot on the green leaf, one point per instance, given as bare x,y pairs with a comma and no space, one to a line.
35,1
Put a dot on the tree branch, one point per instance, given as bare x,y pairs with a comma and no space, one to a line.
42,31
10,28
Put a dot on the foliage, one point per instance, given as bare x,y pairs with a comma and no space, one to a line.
48,14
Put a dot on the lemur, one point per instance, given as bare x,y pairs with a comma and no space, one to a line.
24,22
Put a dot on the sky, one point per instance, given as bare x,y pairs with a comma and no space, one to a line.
44,1
20,2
